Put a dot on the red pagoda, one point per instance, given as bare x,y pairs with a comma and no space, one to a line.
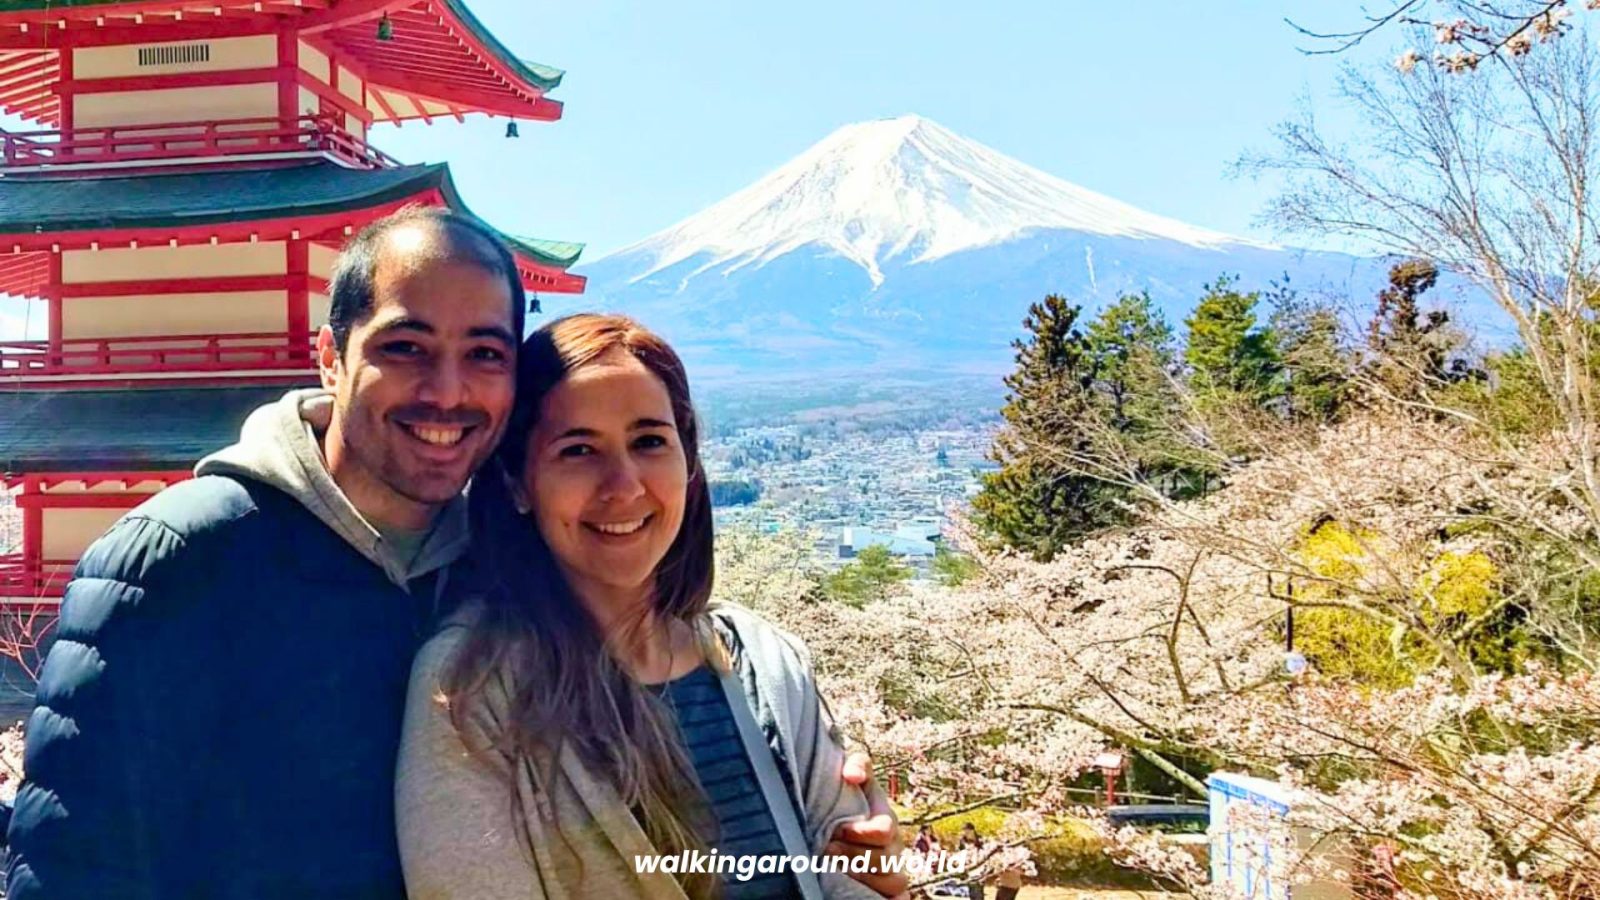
196,167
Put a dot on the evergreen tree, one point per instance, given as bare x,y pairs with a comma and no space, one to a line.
1135,358
952,568
1132,345
1042,497
1316,366
1226,351
1412,349
866,579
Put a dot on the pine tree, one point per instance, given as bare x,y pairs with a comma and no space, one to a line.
1410,349
1132,347
1316,365
1225,350
867,579
1042,498
1136,360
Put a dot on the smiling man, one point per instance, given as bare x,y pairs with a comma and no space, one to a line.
220,713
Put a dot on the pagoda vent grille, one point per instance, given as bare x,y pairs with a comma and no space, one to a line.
174,54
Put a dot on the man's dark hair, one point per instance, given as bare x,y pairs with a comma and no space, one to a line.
351,287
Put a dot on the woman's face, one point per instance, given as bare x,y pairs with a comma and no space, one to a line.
607,476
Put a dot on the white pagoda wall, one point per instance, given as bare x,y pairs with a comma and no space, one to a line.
67,532
253,52
139,315
184,261
195,104
318,304
190,104
238,312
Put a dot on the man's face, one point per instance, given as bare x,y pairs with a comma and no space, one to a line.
425,383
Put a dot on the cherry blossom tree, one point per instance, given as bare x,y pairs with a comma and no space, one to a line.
1167,639
1465,32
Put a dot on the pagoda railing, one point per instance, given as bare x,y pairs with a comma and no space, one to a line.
267,351
129,146
23,578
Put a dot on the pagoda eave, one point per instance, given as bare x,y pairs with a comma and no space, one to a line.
458,64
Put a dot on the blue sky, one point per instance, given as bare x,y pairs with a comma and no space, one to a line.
672,106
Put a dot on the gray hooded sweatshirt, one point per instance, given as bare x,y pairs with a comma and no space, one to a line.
280,445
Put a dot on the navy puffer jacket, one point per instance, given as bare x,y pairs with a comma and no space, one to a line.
220,712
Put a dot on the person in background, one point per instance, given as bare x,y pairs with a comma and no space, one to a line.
1008,883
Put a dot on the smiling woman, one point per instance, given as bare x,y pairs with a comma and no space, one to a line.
607,479
608,710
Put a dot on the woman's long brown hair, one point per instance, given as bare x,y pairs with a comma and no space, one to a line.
537,641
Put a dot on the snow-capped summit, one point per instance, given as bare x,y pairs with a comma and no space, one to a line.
899,246
904,188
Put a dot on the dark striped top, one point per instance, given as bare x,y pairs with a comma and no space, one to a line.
744,821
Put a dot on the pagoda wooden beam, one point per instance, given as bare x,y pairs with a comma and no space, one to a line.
288,76
435,60
24,95
298,301
166,477
28,61
42,111
169,81
57,319
378,54
12,263
422,67
94,13
383,103
154,32
38,72
333,95
349,12
262,17
553,281
442,41
32,523
219,284
80,501
66,73
542,109
26,89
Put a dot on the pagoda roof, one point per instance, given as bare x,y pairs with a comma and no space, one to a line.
146,429
437,58
321,201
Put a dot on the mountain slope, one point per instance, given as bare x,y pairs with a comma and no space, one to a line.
897,245
894,188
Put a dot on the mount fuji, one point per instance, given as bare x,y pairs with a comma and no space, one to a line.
898,246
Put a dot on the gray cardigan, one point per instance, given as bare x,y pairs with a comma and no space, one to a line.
454,808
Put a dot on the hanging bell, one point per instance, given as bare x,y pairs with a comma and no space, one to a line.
511,129
385,28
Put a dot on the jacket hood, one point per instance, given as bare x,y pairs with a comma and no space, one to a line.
280,446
